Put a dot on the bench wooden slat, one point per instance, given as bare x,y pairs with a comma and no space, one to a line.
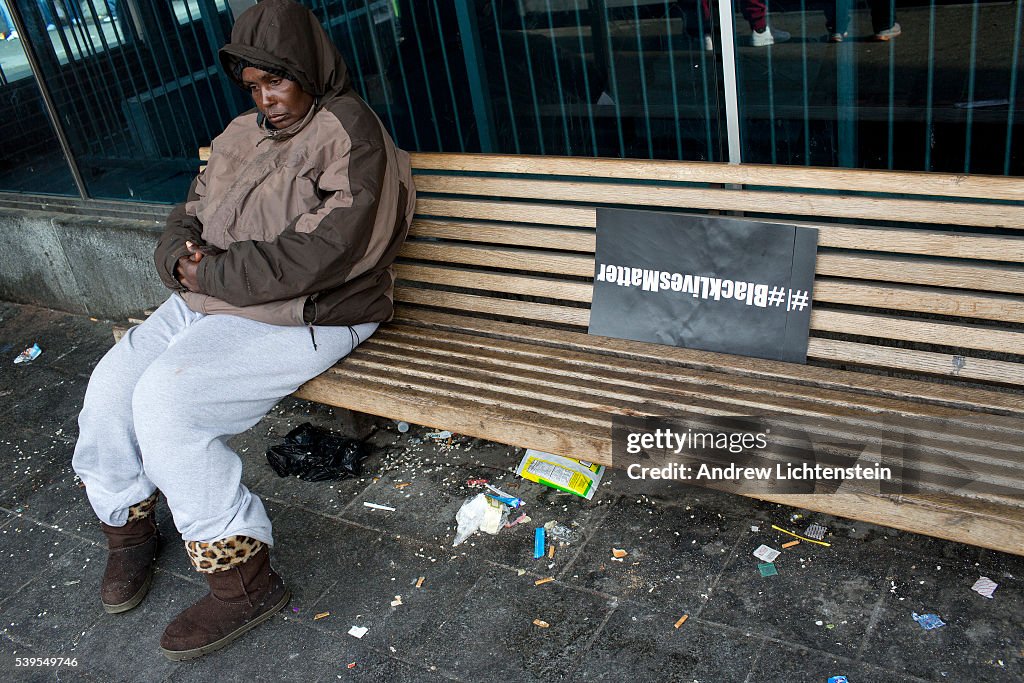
848,180
512,284
785,203
920,299
923,331
869,238
965,397
551,313
920,271
949,365
576,265
906,270
509,234
515,212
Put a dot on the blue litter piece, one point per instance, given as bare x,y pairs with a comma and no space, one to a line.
928,621
767,569
511,502
838,679
538,543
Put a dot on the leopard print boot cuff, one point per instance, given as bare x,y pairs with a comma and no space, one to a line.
215,556
143,509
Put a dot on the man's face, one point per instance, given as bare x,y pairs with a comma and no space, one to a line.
282,101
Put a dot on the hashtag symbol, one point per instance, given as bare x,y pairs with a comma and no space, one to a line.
776,296
797,300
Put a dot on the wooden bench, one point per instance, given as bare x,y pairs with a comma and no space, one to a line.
917,315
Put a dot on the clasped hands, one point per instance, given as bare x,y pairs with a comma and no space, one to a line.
187,267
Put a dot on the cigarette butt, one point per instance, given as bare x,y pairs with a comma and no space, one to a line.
419,582
618,553
402,485
790,544
321,616
682,620
541,623
546,579
551,552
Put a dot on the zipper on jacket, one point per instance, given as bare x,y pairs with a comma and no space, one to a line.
312,300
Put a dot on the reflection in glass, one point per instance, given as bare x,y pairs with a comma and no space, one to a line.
32,160
619,78
136,87
930,86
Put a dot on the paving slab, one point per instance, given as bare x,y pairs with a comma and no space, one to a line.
819,598
982,639
675,553
643,644
491,635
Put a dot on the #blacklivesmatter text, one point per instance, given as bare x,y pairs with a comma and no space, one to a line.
704,287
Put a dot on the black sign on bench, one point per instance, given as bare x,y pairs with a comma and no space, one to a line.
704,282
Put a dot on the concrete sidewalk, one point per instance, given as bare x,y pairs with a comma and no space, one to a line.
841,610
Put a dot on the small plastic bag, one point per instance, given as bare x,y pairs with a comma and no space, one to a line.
316,454
480,513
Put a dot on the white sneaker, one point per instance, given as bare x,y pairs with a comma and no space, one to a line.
13,35
769,36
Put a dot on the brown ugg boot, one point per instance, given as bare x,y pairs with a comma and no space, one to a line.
244,592
132,550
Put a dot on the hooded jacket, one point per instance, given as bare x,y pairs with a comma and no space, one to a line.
299,225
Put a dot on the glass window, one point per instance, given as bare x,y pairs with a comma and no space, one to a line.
32,160
137,88
620,78
929,86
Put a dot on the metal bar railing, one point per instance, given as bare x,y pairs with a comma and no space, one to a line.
1014,71
51,108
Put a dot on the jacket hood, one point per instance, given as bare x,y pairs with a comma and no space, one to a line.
285,35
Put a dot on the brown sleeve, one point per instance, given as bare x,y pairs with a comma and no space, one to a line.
180,228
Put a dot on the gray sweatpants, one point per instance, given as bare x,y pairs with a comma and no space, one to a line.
162,403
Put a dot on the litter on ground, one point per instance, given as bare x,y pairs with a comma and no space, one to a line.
29,354
928,621
984,587
765,553
558,472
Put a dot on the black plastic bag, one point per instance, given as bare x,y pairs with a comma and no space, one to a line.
316,454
